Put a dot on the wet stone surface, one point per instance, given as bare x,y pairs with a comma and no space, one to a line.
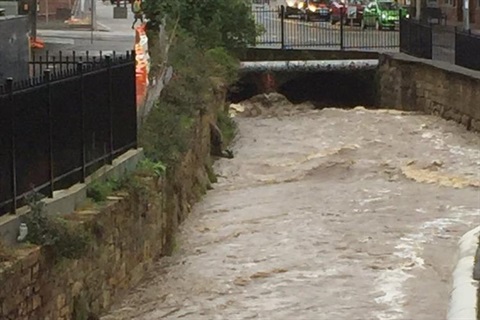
323,214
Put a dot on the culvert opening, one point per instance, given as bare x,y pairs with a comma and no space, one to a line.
340,89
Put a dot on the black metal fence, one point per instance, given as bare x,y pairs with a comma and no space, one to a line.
467,49
416,38
282,31
57,128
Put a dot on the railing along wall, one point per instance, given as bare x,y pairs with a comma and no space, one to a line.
59,126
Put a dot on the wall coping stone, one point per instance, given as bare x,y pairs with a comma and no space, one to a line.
445,66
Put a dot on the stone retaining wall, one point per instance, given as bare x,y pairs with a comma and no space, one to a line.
433,87
130,231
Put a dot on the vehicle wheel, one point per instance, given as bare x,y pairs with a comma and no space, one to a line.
332,21
377,25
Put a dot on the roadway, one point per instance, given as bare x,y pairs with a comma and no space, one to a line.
321,34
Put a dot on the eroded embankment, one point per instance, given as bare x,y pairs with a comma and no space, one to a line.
322,214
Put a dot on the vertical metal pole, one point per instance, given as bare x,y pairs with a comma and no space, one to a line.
133,62
47,78
430,42
282,25
13,161
418,8
46,11
110,109
82,112
342,13
34,10
400,31
466,15
92,20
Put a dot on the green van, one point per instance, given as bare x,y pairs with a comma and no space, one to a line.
382,15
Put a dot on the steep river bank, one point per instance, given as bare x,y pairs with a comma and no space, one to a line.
322,214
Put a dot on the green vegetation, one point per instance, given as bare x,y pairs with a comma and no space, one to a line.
211,23
62,238
167,132
98,191
228,127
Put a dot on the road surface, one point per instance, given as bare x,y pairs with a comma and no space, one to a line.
320,34
323,214
112,35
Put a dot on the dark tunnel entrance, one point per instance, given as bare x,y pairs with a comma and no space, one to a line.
342,89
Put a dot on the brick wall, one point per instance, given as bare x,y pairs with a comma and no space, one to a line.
433,87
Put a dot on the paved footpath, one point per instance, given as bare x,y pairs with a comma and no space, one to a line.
112,35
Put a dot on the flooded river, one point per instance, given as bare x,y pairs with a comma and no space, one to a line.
323,214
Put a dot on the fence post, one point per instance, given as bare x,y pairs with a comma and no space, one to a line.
47,78
134,62
342,15
400,32
430,42
282,25
110,109
13,168
82,112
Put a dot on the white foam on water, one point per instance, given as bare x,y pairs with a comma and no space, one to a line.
390,282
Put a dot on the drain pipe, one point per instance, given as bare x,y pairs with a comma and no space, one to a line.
309,65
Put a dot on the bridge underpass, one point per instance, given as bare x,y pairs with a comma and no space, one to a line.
324,78
330,213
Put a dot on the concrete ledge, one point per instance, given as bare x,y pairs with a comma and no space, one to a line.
433,63
463,299
264,54
67,200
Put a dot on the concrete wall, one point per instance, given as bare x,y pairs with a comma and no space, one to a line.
11,7
434,87
14,47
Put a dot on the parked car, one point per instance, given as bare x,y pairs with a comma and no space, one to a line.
316,9
382,15
307,9
352,12
293,8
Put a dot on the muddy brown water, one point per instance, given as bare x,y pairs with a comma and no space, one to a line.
323,214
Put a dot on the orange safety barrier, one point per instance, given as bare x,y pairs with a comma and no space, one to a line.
141,69
36,43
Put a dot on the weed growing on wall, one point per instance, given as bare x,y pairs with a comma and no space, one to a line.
63,238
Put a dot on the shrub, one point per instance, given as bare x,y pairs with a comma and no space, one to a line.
212,23
63,238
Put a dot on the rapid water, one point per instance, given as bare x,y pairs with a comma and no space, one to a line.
323,214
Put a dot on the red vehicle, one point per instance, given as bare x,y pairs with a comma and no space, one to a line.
352,11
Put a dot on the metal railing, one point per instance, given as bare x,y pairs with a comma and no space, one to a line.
283,30
59,127
467,49
416,38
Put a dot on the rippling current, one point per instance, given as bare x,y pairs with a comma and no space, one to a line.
323,215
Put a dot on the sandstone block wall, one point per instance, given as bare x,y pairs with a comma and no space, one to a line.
130,231
432,87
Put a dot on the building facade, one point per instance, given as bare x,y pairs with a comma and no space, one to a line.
14,48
